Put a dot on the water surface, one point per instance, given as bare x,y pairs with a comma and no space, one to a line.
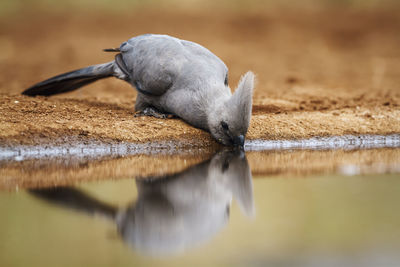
211,213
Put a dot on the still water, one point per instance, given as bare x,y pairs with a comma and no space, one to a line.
211,213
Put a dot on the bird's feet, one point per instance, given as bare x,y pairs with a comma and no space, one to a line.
150,111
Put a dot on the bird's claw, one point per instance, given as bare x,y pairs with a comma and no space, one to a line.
153,113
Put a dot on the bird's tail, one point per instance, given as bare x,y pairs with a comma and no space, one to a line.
71,80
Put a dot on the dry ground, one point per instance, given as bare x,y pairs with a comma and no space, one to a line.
326,72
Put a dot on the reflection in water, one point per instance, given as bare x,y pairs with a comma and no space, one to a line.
175,212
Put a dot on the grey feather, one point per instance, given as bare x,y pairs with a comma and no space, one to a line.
173,76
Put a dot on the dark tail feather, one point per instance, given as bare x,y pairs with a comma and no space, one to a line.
71,80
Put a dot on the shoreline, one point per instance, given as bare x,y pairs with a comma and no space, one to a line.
94,149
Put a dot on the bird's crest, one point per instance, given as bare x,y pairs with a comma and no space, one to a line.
240,104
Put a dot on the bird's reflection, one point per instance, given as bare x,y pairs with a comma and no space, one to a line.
176,212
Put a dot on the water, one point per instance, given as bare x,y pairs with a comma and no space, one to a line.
270,208
95,149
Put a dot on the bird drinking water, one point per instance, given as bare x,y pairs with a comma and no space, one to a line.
172,76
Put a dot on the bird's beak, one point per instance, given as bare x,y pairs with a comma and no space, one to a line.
238,141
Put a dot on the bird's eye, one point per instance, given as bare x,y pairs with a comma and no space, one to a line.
224,126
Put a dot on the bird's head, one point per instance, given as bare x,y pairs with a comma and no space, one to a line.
230,119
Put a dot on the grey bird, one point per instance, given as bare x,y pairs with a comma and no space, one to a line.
172,76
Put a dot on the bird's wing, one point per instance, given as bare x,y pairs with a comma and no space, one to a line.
156,62
152,63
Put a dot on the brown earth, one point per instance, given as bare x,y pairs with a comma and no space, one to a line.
320,73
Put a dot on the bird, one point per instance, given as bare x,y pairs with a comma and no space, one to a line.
172,77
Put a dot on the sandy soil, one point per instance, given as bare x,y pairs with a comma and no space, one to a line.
319,73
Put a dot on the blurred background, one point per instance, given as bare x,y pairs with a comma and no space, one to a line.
318,46
8,6
332,58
